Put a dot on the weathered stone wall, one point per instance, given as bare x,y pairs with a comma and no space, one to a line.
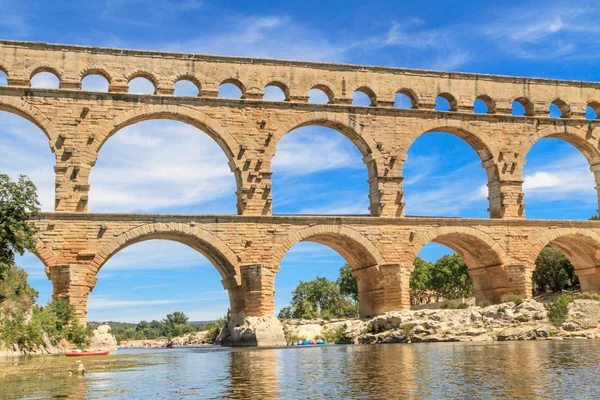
247,249
78,123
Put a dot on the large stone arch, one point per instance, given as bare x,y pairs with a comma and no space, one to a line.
343,124
32,114
186,115
582,248
473,136
481,143
220,255
484,257
577,137
352,245
46,256
363,257
362,139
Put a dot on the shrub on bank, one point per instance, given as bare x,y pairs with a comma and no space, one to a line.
484,304
511,298
589,296
558,310
57,320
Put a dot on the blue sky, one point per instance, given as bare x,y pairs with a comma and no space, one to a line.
175,168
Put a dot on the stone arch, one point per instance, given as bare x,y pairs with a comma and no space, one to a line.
188,77
580,246
484,257
366,89
4,69
96,71
278,83
526,103
187,115
362,256
412,96
325,87
475,137
213,248
30,113
565,109
489,102
593,104
353,246
347,127
235,82
46,256
570,134
461,240
451,99
145,75
45,68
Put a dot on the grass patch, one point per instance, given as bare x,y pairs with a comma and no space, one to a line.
589,296
332,336
462,306
484,304
407,328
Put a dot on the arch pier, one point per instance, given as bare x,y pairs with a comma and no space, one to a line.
247,248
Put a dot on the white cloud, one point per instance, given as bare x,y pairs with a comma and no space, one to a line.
314,149
273,36
100,302
160,166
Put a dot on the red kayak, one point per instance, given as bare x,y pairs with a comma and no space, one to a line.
86,353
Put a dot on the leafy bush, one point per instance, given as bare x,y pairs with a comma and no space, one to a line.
589,296
484,303
215,329
558,310
511,298
462,306
332,336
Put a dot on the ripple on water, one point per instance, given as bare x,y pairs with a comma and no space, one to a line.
509,370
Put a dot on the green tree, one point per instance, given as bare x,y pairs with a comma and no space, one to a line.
18,203
450,278
553,271
320,297
420,281
14,287
347,282
177,318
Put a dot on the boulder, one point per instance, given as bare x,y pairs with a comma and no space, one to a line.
103,339
252,331
583,314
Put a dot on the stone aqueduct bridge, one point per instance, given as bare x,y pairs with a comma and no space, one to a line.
247,248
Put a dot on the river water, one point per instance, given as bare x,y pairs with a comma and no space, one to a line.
506,370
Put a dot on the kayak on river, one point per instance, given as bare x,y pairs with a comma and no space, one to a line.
79,353
311,342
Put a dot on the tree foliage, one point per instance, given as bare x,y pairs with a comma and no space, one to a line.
347,282
450,278
420,279
322,298
18,203
553,271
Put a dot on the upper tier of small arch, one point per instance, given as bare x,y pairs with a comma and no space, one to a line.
22,60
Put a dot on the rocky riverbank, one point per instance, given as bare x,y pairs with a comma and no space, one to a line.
507,321
193,339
